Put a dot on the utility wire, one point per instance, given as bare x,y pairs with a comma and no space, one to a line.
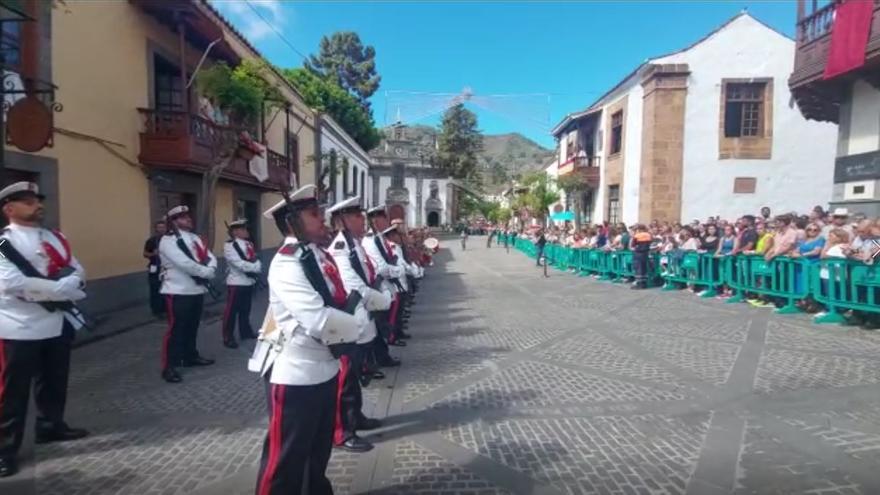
277,32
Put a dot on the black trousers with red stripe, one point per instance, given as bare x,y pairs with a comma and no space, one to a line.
349,396
300,440
45,364
238,309
184,316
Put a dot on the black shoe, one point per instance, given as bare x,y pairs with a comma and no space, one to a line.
171,375
199,361
367,424
390,363
378,375
398,343
231,344
356,444
404,335
8,467
61,433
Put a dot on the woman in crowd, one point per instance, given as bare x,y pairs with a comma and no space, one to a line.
709,242
810,250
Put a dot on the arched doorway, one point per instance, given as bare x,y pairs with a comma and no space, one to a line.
433,219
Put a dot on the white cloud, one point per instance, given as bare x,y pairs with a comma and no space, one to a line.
251,25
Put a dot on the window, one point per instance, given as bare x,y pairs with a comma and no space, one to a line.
293,153
363,188
858,189
587,207
345,167
168,86
614,204
397,171
744,110
617,132
10,47
354,181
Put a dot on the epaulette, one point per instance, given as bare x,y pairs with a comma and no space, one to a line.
289,249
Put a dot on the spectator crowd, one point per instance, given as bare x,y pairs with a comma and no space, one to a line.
820,235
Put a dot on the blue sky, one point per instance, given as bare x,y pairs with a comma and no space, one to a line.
572,52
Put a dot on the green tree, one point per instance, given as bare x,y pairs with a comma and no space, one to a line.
574,185
459,143
343,59
326,96
541,194
241,91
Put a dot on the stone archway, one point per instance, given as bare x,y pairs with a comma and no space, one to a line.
433,219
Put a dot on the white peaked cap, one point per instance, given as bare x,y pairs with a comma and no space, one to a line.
353,202
177,210
305,195
18,188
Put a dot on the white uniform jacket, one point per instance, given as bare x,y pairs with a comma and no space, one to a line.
383,269
373,299
21,317
301,319
178,269
239,268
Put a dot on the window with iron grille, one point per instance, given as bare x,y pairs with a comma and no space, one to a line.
397,171
614,204
617,132
744,109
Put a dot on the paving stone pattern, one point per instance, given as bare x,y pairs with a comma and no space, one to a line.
513,383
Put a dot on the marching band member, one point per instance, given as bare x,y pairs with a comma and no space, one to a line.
398,311
244,271
307,325
358,274
187,268
377,249
39,279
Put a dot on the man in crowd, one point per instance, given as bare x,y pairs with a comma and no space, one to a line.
540,242
358,274
641,248
308,324
386,267
39,280
785,238
839,220
244,271
154,264
187,268
765,213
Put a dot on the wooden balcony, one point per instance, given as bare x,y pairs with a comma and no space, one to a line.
819,99
174,140
587,167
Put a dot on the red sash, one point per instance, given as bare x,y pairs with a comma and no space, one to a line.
371,271
57,262
250,252
332,272
201,250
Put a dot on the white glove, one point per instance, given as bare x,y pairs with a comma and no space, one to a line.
70,284
206,272
377,301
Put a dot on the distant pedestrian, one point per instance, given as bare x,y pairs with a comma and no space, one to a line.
154,265
641,247
540,242
464,236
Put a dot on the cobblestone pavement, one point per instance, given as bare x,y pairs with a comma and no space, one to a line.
513,384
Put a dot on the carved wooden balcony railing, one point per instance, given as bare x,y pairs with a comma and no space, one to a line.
176,140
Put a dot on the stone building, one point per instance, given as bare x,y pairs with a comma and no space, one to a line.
131,141
707,130
403,177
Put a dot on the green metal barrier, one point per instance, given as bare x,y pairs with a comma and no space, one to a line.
776,278
847,285
699,269
620,265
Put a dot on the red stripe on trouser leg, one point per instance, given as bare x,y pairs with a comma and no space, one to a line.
169,305
392,318
338,430
227,325
274,440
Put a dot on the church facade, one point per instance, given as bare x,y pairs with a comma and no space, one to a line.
402,177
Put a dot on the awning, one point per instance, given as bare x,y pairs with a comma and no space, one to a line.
563,216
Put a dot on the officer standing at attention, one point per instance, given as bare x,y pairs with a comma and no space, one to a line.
376,248
187,268
358,274
244,271
39,280
306,326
